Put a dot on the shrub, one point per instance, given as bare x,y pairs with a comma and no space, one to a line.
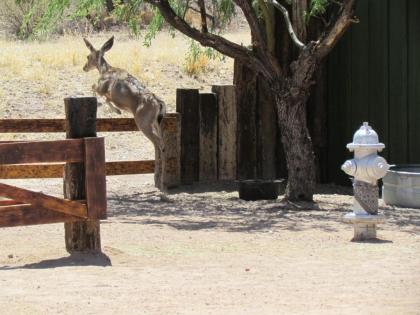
197,59
19,18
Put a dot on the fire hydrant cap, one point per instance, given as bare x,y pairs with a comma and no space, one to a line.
365,137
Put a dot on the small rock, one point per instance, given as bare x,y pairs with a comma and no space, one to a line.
10,256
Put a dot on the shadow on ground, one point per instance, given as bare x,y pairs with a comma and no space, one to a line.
76,259
217,206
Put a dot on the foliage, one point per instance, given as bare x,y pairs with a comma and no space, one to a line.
19,17
196,61
197,58
50,18
128,11
317,8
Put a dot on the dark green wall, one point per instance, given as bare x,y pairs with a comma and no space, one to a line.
374,76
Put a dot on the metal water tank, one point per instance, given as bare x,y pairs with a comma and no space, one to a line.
401,186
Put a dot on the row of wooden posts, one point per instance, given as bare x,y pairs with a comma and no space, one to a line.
208,134
56,159
199,147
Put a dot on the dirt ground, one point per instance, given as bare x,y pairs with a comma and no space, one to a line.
212,253
207,251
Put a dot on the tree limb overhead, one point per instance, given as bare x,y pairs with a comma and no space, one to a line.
290,29
342,22
257,34
208,39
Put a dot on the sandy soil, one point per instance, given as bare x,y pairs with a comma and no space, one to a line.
212,253
206,252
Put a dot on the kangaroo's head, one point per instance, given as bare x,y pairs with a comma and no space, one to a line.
96,57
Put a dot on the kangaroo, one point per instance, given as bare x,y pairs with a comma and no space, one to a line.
122,91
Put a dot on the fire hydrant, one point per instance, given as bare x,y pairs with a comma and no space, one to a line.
366,168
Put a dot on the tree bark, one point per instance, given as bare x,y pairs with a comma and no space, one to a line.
297,144
299,7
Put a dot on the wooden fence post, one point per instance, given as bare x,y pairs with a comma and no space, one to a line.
171,159
266,133
246,98
208,137
80,123
187,102
226,102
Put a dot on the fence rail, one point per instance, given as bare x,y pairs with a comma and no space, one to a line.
26,207
59,125
18,170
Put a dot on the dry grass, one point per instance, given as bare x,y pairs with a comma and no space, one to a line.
36,76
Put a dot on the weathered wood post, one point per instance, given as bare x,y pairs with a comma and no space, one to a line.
246,97
208,137
187,103
80,123
226,102
171,158
267,133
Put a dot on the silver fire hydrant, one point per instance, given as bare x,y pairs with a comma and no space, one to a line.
366,168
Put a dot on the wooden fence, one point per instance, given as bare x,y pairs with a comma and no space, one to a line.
25,207
55,170
200,141
373,75
208,134
80,160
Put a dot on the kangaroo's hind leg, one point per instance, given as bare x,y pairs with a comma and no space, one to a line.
146,121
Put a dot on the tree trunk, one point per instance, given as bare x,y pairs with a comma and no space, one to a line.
297,143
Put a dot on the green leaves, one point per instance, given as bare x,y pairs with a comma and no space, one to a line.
317,8
220,14
154,27
48,20
129,12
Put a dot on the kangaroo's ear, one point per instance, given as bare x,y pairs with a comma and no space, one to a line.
108,45
88,44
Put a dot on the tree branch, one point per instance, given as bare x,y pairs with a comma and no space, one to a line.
290,29
209,16
187,6
268,13
203,14
217,42
257,35
343,21
299,7
258,40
